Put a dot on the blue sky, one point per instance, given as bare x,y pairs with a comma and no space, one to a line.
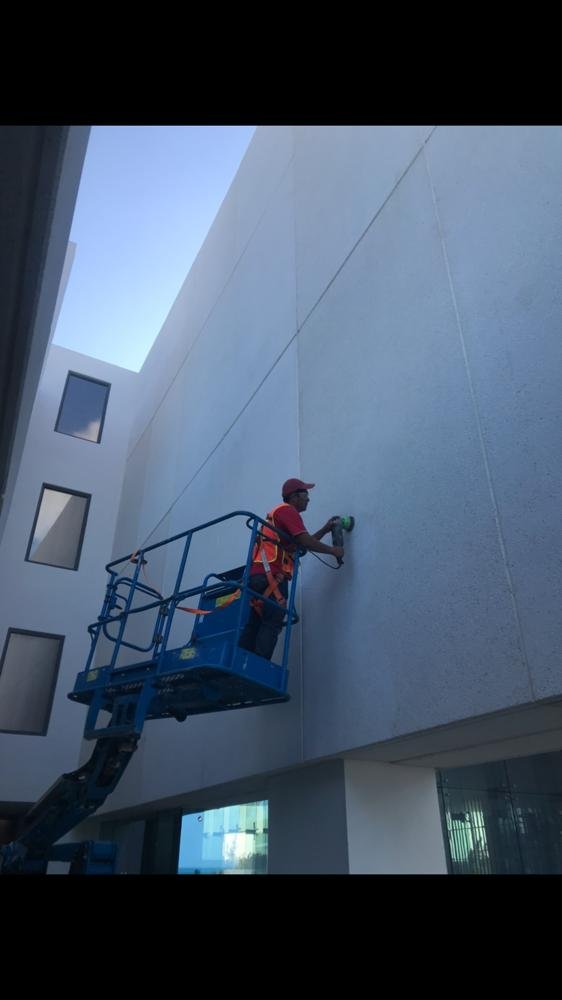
147,199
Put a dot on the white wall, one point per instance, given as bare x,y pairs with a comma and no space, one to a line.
393,821
430,370
224,436
377,310
43,598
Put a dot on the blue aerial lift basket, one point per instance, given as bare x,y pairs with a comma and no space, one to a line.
209,673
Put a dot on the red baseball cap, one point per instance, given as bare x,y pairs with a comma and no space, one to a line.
293,486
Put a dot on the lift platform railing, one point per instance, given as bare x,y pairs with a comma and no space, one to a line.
123,588
169,684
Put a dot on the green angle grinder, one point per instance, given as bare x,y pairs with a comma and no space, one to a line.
340,525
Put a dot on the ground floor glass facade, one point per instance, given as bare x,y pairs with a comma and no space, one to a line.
504,817
227,841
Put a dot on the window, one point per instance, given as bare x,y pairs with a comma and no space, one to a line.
82,410
504,817
229,841
58,529
28,675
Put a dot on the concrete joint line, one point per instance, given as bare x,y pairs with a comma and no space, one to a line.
483,448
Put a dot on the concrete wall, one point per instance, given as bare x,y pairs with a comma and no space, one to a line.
308,821
357,818
224,436
376,309
393,822
430,378
47,599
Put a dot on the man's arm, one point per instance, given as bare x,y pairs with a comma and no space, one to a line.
313,544
326,528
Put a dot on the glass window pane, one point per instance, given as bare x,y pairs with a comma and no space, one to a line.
490,777
27,681
59,527
83,408
481,830
506,823
229,841
539,774
539,820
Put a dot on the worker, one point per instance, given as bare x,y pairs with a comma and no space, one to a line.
272,566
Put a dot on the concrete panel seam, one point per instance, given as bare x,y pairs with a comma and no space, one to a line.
478,419
366,230
218,444
212,309
298,425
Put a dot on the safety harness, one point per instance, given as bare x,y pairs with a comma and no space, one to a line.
267,545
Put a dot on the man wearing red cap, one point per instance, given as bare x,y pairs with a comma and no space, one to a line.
272,565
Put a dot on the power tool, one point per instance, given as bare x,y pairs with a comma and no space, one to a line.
340,525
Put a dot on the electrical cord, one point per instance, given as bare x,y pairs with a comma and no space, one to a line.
329,565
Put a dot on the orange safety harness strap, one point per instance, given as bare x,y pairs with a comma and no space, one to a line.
269,536
256,602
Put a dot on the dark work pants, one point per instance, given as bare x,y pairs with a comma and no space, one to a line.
262,631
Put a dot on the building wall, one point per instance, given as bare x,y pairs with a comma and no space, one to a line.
377,310
308,833
393,825
223,436
49,599
429,378
41,167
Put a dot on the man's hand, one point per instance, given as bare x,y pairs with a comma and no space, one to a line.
326,528
313,544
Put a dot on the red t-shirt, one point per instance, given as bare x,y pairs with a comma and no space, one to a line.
287,519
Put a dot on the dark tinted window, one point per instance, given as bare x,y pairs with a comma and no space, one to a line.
58,529
28,674
504,817
83,406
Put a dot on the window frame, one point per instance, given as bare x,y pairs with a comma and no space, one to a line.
41,635
87,378
74,493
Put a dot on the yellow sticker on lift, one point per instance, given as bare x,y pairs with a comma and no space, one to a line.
92,676
188,653
229,597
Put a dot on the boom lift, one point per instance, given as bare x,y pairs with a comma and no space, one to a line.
210,673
